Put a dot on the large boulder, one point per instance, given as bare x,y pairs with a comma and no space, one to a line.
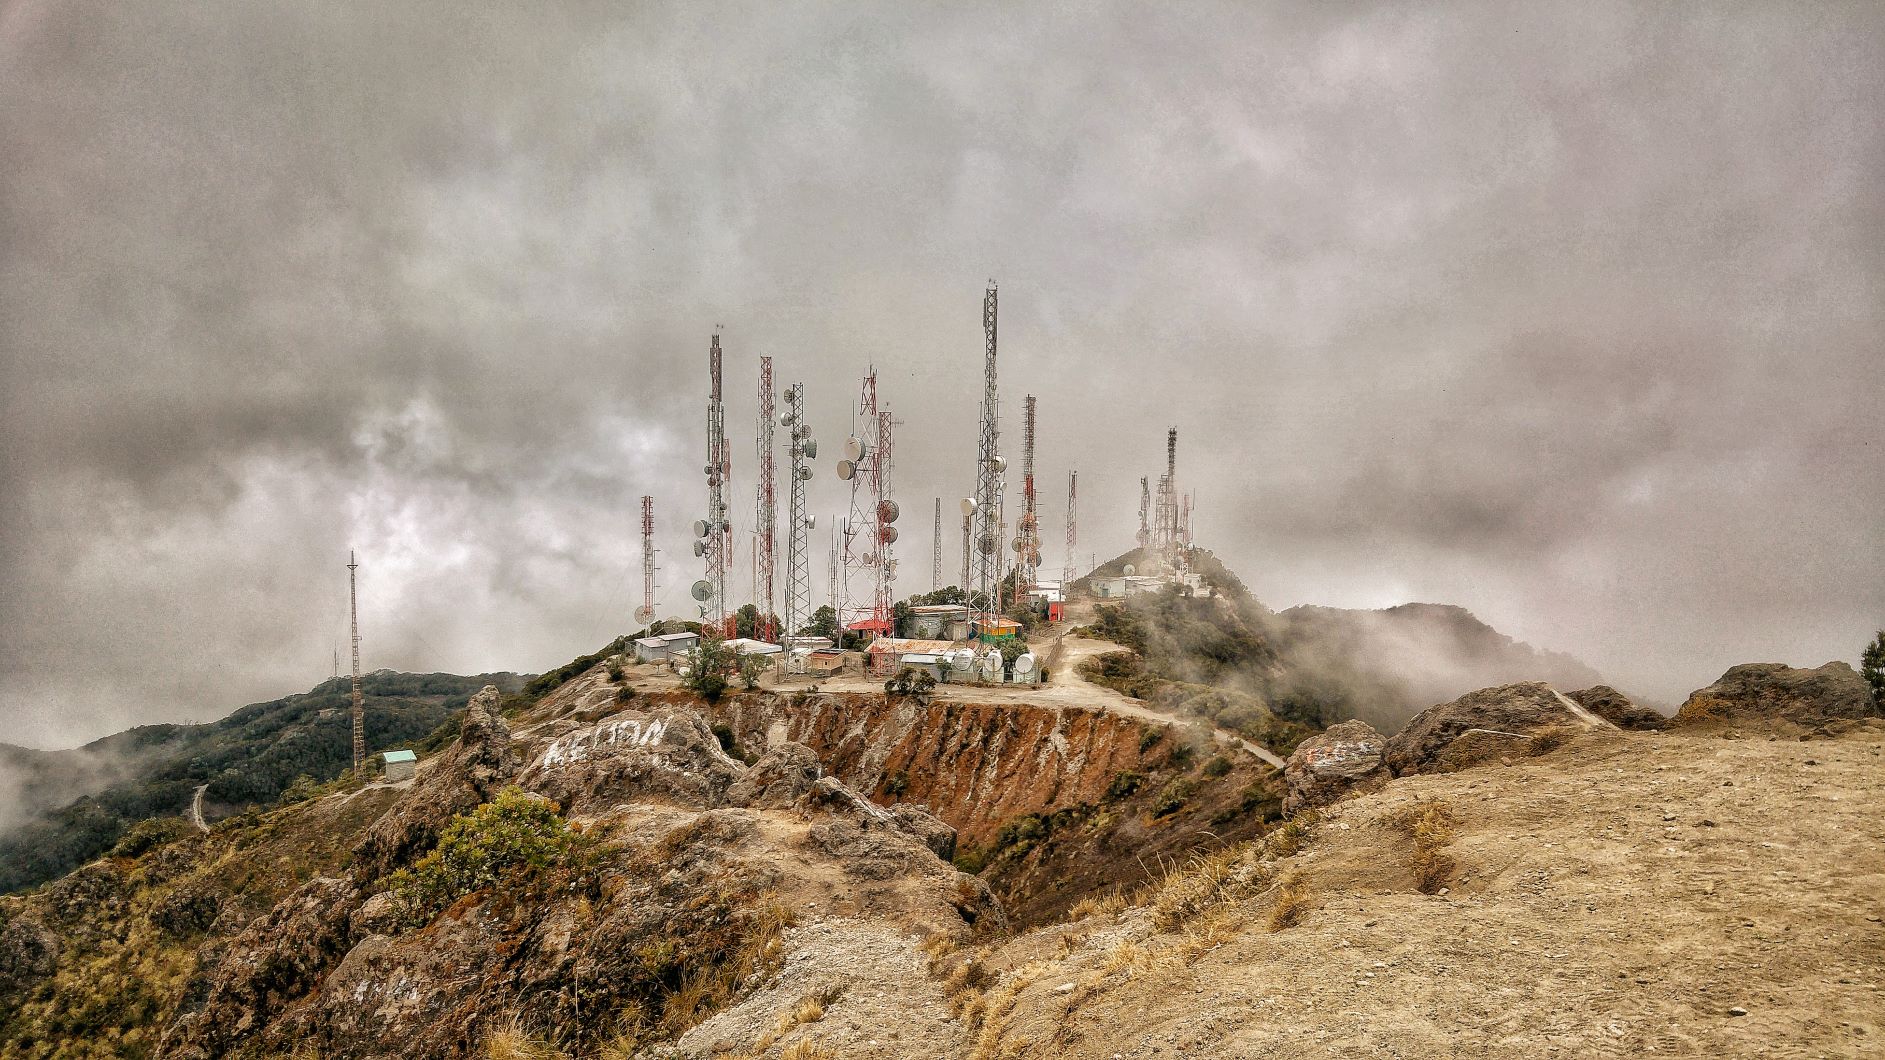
1517,710
473,771
778,779
1774,692
1616,708
665,754
1343,760
29,952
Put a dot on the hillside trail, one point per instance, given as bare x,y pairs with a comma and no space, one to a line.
1630,894
196,808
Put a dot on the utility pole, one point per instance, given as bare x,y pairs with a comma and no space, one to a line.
359,711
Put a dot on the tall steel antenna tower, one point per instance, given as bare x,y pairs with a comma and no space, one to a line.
798,577
866,465
1073,532
645,614
988,465
1027,543
713,530
767,521
359,711
1145,512
1165,538
935,551
968,507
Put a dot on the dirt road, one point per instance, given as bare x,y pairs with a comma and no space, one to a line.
196,808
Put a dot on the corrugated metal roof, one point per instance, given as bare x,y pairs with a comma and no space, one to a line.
399,756
902,646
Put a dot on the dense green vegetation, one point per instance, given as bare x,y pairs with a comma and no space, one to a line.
247,759
515,842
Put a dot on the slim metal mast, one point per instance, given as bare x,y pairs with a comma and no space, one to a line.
719,468
1027,541
646,612
935,551
767,528
798,578
867,466
1145,512
988,465
359,711
965,552
1073,531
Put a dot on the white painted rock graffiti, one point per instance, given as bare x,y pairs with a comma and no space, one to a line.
580,746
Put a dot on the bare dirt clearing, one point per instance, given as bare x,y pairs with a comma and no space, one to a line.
1622,896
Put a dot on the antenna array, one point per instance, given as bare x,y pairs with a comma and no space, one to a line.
767,513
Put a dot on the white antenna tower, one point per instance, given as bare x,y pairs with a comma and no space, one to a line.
988,467
1073,532
798,578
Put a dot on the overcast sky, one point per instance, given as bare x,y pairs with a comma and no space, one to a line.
1568,313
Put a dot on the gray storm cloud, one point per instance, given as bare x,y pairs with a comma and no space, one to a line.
1569,315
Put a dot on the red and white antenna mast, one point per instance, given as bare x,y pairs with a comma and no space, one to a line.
1027,543
866,465
767,521
645,614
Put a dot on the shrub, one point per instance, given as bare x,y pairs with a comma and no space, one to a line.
1545,741
625,693
513,842
1172,797
897,784
1291,902
1125,783
615,672
1217,767
146,836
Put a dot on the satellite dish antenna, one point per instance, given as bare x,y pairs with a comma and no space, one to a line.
700,548
988,544
1131,570
644,614
847,470
702,590
968,506
805,473
700,528
887,511
999,463
811,448
889,535
707,469
791,396
786,418
853,449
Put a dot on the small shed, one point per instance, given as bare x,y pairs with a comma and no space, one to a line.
886,653
996,629
938,622
658,649
400,765
823,662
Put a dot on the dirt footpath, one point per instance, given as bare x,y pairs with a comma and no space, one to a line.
1630,894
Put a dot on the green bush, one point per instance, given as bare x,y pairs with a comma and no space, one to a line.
1125,784
514,842
146,836
1217,767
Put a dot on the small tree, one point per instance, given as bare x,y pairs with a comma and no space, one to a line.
708,665
824,623
1872,665
752,667
746,621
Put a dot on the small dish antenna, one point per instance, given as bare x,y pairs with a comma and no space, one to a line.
702,590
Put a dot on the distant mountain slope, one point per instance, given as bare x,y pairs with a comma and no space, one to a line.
70,806
1319,665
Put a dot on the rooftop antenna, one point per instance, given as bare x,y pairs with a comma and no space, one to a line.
763,562
935,551
798,578
988,464
645,614
359,712
1073,532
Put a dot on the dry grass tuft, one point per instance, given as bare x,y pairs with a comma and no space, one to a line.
808,1049
1429,823
1292,901
1112,903
514,1043
1545,741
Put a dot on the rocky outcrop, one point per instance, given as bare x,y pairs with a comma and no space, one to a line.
29,952
666,753
778,779
1518,710
1617,709
469,774
1476,747
1341,761
1765,693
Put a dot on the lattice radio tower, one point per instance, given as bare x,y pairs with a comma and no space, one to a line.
1027,542
798,575
645,614
1073,532
866,464
715,529
935,551
1165,537
359,711
1145,512
767,518
988,466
